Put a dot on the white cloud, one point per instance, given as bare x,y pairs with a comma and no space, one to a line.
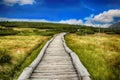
104,19
20,2
90,23
89,17
107,16
28,20
72,21
105,25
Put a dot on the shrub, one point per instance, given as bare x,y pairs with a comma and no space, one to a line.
7,31
90,31
110,32
117,31
79,33
84,32
4,57
47,33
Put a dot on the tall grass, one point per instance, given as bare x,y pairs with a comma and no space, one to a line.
7,31
100,55
28,60
4,57
19,48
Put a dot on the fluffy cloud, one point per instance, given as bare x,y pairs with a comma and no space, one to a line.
107,16
20,2
89,17
104,19
72,21
90,23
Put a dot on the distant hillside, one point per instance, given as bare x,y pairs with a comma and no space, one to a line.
115,26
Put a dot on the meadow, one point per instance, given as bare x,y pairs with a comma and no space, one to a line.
19,50
21,42
100,54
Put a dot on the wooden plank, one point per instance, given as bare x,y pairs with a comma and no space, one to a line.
81,70
56,63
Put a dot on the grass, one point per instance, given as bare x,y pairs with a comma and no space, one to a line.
30,58
34,31
20,51
7,31
100,55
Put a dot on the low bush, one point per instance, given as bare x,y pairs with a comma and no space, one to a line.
117,31
84,32
110,32
7,31
47,33
4,57
90,31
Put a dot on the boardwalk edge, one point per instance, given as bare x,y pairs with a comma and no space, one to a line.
81,70
25,75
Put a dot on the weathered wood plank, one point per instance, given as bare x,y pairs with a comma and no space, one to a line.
56,64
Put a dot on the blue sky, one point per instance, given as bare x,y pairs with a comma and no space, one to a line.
83,12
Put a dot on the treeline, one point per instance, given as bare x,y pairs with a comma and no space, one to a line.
79,29
7,31
111,31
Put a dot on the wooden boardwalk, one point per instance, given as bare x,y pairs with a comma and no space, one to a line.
56,64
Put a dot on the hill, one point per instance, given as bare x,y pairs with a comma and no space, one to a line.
115,26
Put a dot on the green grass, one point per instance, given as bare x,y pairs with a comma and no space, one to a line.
30,59
18,51
7,31
20,48
4,57
100,55
26,39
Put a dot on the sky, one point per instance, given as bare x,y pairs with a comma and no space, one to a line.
80,12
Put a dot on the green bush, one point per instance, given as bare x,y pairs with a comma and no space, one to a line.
84,32
110,32
79,33
47,33
4,57
117,31
90,31
7,31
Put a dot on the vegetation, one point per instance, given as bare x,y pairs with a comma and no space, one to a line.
55,27
85,32
20,43
7,31
20,47
100,55
49,26
4,57
29,59
19,50
111,31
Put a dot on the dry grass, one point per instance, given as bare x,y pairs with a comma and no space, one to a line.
100,54
20,44
19,48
